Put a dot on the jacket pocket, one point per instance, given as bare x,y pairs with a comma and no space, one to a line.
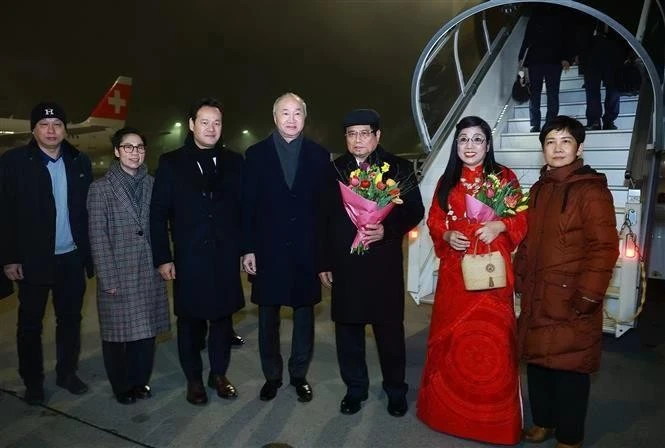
559,289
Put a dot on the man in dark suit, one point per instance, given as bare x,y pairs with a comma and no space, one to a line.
282,188
44,245
369,288
197,189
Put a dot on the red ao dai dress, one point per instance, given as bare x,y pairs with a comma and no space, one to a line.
470,383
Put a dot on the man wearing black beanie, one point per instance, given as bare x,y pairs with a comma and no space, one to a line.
44,245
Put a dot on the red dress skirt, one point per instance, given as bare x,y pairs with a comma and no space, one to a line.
470,383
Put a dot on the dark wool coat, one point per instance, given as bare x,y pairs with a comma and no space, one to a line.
368,288
205,229
120,242
6,286
569,252
27,207
279,223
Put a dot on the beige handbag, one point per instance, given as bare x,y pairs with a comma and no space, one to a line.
486,271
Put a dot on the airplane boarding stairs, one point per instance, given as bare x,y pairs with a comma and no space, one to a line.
606,151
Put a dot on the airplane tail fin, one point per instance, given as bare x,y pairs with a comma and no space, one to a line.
114,104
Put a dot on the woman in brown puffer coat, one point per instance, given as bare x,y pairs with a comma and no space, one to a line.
563,269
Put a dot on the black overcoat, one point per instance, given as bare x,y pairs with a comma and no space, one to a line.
205,229
279,223
27,228
368,288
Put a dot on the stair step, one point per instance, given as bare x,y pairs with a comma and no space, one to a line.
529,175
516,125
619,138
627,105
614,157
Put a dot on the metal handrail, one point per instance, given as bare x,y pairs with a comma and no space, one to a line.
433,48
657,117
449,122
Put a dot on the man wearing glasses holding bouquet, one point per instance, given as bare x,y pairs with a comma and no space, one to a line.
368,284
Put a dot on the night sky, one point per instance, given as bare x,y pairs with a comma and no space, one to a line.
338,55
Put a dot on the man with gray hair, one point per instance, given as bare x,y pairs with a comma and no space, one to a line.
283,181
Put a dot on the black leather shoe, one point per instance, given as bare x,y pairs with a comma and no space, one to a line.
73,384
237,341
142,392
350,405
126,398
397,406
223,386
609,126
535,129
196,393
304,391
593,127
269,390
34,394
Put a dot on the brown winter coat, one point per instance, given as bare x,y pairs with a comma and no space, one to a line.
569,252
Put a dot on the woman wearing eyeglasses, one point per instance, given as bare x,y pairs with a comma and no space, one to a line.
470,383
131,295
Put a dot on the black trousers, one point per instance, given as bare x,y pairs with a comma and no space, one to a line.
302,343
128,364
190,330
559,399
551,73
350,341
67,291
592,83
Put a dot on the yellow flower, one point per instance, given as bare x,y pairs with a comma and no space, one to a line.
390,182
355,173
385,167
521,208
397,201
378,178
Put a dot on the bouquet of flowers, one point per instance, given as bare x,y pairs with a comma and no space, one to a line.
368,199
495,198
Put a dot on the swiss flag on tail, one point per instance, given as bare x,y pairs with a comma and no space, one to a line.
113,106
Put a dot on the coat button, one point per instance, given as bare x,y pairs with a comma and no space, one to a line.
210,215
140,233
293,219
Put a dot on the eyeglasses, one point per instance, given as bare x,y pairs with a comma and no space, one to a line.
476,140
364,135
131,148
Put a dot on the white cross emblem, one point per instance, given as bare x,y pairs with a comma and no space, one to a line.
117,101
48,112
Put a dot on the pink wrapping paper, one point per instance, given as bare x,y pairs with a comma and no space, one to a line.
478,211
362,212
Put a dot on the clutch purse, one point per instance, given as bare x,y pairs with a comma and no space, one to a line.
485,271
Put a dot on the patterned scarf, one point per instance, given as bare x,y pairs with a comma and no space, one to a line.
132,185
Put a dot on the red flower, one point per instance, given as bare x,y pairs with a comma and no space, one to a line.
490,193
381,186
511,200
394,192
365,184
355,181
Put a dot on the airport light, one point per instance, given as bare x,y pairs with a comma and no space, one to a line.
177,124
245,131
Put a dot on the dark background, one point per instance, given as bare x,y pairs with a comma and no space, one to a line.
338,55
